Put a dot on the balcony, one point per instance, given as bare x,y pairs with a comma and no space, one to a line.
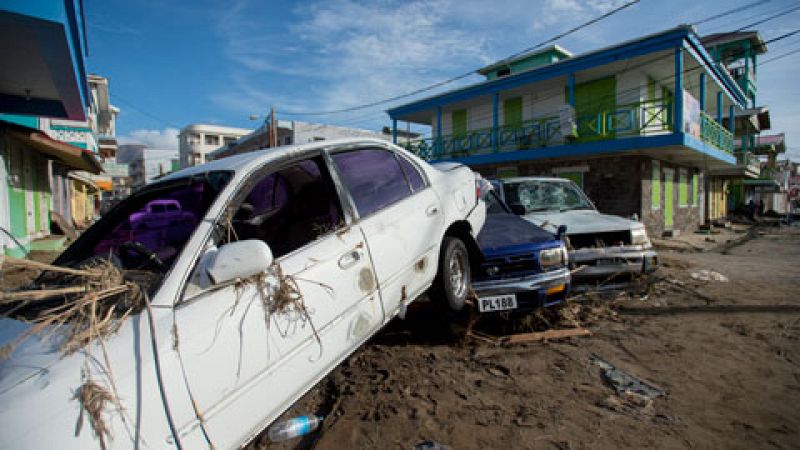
713,133
645,118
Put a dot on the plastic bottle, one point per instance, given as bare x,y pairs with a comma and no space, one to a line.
292,428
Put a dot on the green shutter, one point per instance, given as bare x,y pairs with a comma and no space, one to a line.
512,111
695,189
595,102
459,118
655,183
683,194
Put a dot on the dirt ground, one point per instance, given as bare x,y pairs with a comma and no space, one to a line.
726,353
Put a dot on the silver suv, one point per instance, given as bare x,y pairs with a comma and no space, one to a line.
610,247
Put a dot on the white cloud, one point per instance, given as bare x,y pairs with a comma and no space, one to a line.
166,139
345,52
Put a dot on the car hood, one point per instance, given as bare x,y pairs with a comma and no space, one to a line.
581,221
31,357
503,230
37,390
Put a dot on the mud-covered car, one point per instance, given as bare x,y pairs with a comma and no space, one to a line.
524,266
297,256
611,248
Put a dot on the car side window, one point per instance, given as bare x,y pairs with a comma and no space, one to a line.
373,177
290,208
412,173
287,209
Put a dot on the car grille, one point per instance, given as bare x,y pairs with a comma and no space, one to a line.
609,239
512,266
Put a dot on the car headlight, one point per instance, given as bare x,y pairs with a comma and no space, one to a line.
552,257
639,237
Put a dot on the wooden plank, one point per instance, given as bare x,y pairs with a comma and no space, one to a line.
545,335
66,227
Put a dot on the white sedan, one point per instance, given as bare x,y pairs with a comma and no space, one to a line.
283,263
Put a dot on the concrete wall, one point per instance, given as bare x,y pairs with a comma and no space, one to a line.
686,218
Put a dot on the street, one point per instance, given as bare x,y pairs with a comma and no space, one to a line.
730,367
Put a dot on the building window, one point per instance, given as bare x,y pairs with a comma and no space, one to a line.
683,188
287,140
317,138
575,177
655,186
228,140
212,139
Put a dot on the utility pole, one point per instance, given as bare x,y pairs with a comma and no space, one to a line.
273,129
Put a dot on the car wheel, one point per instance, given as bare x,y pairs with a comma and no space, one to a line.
455,276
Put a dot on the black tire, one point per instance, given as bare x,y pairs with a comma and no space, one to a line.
454,277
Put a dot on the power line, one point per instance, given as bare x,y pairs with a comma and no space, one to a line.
464,75
548,41
731,11
143,112
797,50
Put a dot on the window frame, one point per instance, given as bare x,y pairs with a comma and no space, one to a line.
235,200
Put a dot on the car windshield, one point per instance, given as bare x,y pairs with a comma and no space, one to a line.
545,195
151,226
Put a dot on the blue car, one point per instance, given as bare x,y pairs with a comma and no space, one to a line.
524,266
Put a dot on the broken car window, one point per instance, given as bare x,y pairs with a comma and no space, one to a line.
545,195
149,229
373,177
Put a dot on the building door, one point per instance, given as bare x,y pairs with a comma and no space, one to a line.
669,198
29,183
595,102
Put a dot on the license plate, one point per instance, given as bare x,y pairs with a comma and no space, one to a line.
497,303
608,262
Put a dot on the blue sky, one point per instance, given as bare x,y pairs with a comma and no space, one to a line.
175,63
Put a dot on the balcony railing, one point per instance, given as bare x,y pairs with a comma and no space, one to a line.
715,134
633,119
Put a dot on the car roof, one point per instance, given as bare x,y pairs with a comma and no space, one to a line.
518,179
245,161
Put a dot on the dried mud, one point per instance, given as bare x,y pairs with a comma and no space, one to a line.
731,369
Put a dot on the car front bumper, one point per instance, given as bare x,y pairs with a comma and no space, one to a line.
531,291
611,261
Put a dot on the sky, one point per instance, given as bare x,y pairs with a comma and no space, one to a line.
172,63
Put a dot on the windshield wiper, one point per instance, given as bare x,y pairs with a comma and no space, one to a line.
571,208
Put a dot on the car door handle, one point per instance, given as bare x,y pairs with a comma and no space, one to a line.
349,259
432,210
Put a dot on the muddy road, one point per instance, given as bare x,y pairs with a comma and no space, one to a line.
726,353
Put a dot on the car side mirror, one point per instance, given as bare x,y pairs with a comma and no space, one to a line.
518,209
240,259
562,232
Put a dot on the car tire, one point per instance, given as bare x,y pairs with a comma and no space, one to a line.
454,277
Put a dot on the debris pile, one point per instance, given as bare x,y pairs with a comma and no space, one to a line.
81,303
